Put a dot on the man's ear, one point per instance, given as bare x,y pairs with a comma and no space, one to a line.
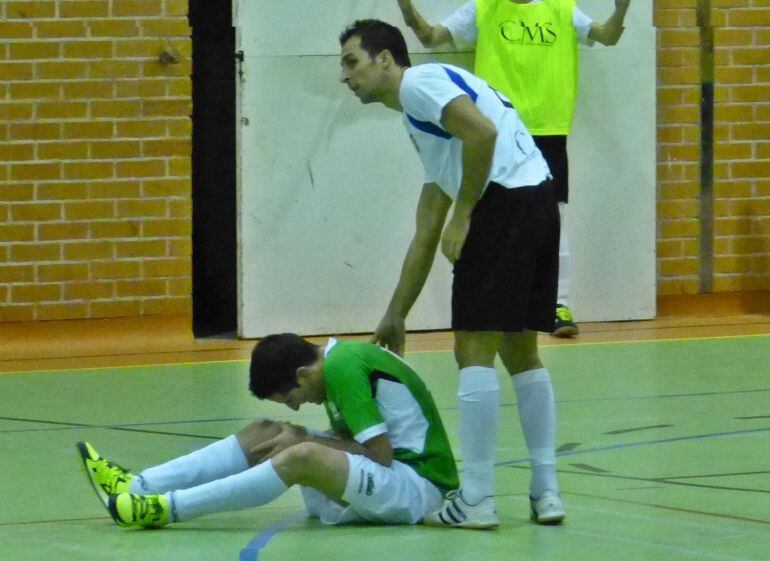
303,373
385,57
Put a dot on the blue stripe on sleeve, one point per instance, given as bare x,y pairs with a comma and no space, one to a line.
461,83
428,127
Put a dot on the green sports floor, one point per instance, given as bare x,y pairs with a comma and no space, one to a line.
664,454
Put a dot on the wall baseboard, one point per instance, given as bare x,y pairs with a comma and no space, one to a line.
716,304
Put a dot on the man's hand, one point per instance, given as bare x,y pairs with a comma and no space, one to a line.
453,238
390,334
288,437
609,32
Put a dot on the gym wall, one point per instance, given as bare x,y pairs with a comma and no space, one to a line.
95,168
94,159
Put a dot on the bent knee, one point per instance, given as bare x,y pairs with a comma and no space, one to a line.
260,429
302,453
255,433
298,462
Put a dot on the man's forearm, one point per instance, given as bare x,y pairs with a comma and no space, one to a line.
377,449
416,22
477,162
414,272
344,444
615,21
412,17
613,28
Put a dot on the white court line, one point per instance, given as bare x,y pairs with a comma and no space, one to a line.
745,531
695,553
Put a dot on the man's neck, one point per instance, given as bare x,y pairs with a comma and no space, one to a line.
392,99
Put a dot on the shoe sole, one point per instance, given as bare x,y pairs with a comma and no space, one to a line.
84,457
566,332
551,521
488,525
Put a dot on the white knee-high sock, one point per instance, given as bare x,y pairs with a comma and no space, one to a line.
537,413
564,262
215,461
479,412
254,487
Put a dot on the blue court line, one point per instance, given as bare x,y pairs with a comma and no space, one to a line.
64,425
635,397
639,443
255,546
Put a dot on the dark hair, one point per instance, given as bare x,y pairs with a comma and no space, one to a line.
274,363
377,36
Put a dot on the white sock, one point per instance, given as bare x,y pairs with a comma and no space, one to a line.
254,487
537,413
479,412
564,261
215,461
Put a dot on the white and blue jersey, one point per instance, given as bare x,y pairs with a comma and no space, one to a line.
426,89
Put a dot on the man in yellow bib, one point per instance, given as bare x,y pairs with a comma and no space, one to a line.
528,50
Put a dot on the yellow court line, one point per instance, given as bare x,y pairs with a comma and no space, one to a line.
121,367
243,360
672,340
632,341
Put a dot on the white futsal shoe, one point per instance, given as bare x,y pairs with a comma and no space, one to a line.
548,509
456,513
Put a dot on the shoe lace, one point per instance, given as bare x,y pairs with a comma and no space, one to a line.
146,508
111,474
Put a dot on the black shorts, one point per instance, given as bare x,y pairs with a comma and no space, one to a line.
507,276
554,150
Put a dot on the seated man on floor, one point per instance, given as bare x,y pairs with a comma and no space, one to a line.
387,459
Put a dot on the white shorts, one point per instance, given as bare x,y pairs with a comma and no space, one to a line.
376,494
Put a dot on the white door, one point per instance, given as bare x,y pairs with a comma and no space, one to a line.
328,187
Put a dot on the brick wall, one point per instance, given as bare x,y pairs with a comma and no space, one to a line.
94,159
741,145
678,146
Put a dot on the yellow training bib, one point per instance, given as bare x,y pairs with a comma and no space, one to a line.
530,53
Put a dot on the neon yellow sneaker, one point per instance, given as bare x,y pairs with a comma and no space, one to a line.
145,511
106,478
565,324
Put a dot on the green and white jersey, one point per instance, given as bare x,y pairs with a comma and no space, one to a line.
371,391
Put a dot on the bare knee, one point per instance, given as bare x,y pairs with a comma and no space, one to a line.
254,434
524,363
296,464
519,352
476,348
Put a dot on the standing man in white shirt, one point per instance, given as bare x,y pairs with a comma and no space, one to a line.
502,238
528,49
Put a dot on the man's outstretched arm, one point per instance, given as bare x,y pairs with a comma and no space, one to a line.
265,439
429,35
609,32
431,214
